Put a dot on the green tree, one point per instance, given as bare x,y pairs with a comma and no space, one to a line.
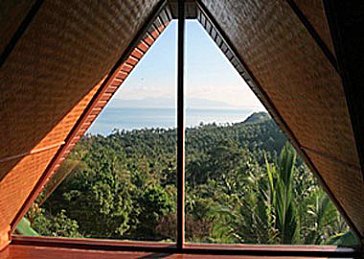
124,186
98,198
58,226
153,204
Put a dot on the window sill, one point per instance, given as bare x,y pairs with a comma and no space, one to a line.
189,248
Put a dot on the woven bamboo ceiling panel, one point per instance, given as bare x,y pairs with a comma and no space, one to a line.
48,79
302,86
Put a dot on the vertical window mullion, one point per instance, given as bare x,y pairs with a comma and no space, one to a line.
180,128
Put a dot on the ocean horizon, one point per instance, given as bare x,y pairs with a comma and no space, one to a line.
147,118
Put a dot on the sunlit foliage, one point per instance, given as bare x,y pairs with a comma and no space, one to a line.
244,184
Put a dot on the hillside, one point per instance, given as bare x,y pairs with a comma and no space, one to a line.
257,117
123,186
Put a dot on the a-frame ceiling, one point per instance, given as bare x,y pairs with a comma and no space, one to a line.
61,59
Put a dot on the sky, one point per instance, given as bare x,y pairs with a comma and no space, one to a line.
210,80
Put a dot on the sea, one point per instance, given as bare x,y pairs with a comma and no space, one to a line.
146,118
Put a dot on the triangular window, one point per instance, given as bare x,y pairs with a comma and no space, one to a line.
244,182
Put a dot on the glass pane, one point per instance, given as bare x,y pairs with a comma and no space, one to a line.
245,182
119,182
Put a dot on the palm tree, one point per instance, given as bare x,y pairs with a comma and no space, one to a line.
267,211
281,196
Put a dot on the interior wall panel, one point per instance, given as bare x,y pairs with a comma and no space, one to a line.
104,92
298,79
49,78
293,71
16,186
58,61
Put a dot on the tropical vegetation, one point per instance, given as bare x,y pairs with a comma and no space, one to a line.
244,184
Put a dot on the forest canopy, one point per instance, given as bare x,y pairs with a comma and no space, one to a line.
244,184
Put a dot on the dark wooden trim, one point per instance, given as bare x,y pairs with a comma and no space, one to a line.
60,153
312,31
346,23
253,83
180,127
202,249
20,31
